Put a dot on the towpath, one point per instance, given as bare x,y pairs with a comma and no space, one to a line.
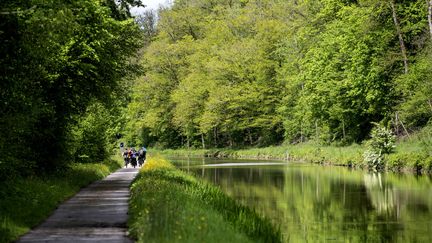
98,213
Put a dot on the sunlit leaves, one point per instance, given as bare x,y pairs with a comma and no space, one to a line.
235,72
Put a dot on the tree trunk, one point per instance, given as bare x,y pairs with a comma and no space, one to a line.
202,140
430,104
404,128
430,16
399,32
343,129
215,135
396,124
250,136
301,132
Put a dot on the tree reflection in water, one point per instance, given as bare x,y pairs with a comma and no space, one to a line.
316,203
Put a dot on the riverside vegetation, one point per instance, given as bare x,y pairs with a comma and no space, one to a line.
234,74
26,202
168,205
410,154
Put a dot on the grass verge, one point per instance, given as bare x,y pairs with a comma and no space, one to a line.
26,202
168,205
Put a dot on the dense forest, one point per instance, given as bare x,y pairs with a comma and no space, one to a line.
62,66
240,73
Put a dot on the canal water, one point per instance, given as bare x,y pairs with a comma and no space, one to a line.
312,203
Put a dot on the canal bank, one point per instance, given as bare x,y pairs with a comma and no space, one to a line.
169,205
408,157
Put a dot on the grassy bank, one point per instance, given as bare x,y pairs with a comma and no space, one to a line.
410,155
26,202
302,152
168,205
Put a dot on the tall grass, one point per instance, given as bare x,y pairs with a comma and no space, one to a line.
26,202
168,205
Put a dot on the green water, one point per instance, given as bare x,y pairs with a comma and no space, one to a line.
314,203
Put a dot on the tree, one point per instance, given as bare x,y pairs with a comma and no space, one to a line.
242,73
416,88
57,59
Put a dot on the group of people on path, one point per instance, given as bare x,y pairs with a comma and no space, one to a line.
133,157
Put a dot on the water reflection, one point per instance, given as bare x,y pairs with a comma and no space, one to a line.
320,204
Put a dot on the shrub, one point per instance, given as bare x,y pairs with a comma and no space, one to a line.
382,142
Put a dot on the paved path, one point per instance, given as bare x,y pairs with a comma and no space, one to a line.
98,213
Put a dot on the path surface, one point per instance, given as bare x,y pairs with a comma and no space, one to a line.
98,213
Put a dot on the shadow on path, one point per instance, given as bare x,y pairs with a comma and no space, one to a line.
98,213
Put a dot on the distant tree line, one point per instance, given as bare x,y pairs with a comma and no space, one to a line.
61,66
260,72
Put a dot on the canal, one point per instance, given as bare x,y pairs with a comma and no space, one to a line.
312,203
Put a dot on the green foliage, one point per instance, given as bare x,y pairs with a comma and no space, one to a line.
382,142
425,138
25,202
416,88
382,139
255,73
56,59
417,162
168,205
342,74
94,136
215,94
